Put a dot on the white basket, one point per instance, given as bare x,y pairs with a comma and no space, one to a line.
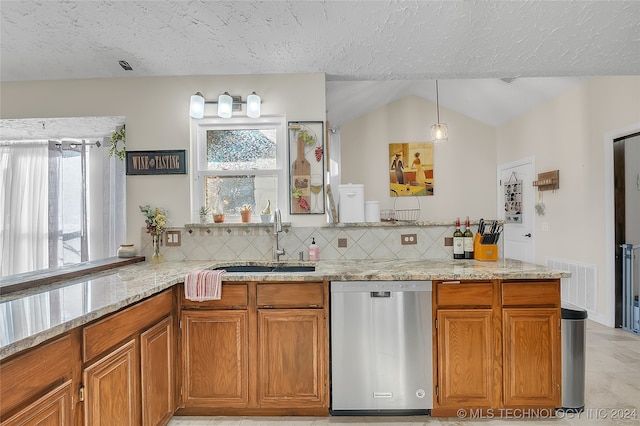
406,215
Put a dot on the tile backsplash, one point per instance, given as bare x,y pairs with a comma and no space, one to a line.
247,243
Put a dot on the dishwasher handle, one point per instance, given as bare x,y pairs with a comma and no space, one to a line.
380,294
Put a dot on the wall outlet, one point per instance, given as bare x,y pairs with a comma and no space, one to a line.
342,242
173,239
406,239
545,226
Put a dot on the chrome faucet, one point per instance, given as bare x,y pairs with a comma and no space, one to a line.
277,228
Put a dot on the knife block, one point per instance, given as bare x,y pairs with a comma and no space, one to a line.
484,251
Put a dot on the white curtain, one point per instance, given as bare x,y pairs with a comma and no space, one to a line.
23,214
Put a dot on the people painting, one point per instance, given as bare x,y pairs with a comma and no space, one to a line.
398,166
417,164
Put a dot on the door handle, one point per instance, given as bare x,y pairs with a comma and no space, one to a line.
527,235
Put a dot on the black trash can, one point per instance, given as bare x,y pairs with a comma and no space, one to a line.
574,336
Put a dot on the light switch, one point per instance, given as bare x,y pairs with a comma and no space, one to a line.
173,239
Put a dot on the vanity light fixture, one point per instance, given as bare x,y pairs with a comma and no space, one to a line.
438,130
226,105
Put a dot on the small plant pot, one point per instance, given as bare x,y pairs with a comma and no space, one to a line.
218,218
246,215
265,218
204,219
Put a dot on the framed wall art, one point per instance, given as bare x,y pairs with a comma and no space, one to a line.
410,169
513,200
306,173
167,162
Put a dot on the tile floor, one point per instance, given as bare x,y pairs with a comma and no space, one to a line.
612,391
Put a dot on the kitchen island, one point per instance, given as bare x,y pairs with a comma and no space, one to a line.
84,309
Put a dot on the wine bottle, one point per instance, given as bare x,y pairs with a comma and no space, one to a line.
458,243
467,240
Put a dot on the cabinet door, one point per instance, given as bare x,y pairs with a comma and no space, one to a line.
111,388
156,370
215,358
53,409
465,358
531,357
291,358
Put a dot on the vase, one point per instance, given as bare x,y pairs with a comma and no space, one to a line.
156,257
245,215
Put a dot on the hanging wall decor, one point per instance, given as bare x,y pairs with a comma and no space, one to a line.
306,175
513,200
410,169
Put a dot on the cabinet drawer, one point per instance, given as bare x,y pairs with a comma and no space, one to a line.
460,293
108,332
232,296
531,293
290,295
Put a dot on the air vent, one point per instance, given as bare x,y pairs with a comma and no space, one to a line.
125,65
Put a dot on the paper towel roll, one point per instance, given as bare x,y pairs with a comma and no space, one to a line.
372,211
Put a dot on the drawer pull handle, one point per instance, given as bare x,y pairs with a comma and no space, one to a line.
451,282
380,294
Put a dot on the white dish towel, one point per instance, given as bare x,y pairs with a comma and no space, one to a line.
203,285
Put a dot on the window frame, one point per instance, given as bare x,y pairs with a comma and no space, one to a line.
198,170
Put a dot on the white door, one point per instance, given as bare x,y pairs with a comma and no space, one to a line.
516,207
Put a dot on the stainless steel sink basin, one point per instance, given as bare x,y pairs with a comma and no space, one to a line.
261,268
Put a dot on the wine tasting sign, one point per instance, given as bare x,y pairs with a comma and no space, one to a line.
168,162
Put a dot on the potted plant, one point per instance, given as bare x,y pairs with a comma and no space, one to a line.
245,213
204,214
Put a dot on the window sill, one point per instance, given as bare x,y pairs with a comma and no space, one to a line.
27,280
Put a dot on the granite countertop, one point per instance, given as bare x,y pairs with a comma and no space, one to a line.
32,316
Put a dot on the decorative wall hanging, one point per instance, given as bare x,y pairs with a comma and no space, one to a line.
168,162
410,169
513,199
306,157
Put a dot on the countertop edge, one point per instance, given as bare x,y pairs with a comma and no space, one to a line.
171,273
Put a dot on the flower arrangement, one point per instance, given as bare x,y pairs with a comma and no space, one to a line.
155,218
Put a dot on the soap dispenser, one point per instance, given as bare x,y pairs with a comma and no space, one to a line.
313,250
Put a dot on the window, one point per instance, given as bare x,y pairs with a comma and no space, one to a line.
239,162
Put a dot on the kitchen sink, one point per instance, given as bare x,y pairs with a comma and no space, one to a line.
262,268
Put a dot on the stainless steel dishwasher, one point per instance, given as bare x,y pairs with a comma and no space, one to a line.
381,358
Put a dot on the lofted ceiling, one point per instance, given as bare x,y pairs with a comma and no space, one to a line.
372,52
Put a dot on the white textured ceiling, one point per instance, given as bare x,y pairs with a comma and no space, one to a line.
382,50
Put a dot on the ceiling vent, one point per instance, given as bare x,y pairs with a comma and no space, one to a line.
125,65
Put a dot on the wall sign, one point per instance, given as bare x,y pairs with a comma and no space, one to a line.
168,162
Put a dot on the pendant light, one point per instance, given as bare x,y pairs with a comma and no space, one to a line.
438,130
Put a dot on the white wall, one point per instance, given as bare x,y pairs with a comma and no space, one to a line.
573,133
157,117
464,166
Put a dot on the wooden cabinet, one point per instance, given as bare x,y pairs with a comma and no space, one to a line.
466,344
261,349
532,343
465,358
111,388
53,409
37,387
157,373
291,361
497,344
129,365
215,365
